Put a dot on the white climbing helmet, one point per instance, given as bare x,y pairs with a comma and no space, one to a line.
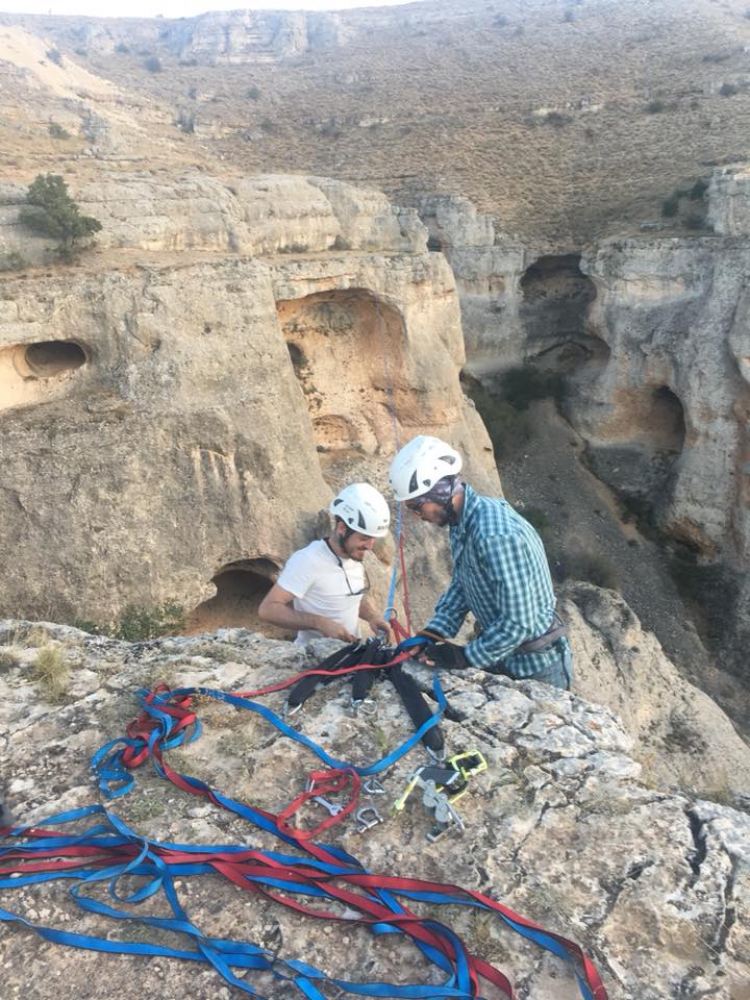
420,464
362,508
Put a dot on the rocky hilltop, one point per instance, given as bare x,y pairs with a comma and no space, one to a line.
571,825
564,121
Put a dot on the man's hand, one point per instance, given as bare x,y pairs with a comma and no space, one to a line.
380,626
418,649
445,655
332,630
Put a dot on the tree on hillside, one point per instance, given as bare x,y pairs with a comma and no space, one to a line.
51,211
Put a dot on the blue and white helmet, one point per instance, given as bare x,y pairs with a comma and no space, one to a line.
362,508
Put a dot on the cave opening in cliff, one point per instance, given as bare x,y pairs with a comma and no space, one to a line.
53,357
346,347
240,587
556,298
666,422
33,373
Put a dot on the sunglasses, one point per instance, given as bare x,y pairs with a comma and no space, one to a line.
355,593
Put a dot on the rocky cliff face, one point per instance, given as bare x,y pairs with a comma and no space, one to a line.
652,335
216,38
168,420
570,825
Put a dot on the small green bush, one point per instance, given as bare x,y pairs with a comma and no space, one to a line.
137,622
331,129
153,64
654,107
51,211
253,93
57,131
86,625
11,261
698,190
728,90
670,207
558,119
186,122
539,520
122,48
694,221
55,56
269,125
594,567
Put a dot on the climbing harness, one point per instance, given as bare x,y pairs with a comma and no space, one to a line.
556,631
375,655
442,787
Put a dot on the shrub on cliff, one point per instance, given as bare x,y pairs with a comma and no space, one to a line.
137,622
589,565
51,211
57,131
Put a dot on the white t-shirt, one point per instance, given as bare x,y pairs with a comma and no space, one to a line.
324,585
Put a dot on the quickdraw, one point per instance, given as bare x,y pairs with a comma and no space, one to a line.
442,787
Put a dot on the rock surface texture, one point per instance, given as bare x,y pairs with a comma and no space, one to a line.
166,419
565,826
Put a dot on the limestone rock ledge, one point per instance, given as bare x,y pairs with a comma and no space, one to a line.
204,405
563,827
264,214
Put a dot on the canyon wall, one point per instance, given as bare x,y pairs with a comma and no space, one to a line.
169,419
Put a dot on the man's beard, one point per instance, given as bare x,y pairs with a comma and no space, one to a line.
354,553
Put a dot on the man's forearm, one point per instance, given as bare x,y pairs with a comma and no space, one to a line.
367,612
285,616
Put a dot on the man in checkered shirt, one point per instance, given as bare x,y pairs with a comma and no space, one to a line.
500,573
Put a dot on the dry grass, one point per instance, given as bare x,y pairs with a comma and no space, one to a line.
51,672
541,122
8,659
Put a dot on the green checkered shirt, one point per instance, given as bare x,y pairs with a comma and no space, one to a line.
500,574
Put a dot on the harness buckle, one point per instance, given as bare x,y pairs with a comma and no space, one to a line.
437,755
364,706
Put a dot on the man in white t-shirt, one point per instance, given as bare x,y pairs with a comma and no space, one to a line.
322,589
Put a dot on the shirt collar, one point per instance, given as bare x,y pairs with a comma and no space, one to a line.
470,502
